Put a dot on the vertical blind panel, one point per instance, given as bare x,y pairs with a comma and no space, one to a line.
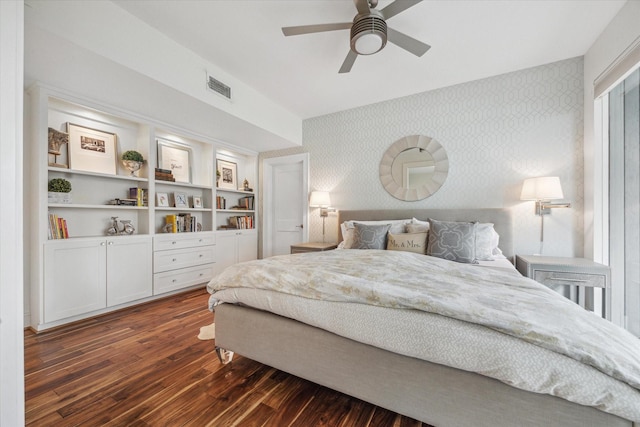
632,200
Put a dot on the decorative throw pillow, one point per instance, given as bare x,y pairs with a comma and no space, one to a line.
370,236
347,228
455,241
409,242
486,241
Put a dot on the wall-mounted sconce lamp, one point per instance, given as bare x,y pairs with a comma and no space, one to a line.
543,190
322,200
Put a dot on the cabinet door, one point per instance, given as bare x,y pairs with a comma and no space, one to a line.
74,278
226,251
247,246
129,269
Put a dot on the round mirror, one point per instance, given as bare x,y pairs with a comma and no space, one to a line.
414,168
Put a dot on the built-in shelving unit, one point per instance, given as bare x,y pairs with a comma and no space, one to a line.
75,277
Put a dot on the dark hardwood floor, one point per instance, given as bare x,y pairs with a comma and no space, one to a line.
145,366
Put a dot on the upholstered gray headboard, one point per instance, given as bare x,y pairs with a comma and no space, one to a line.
501,219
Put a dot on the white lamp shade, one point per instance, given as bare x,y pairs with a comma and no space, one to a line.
320,199
542,188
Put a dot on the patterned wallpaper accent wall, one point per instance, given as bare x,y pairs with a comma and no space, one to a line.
496,132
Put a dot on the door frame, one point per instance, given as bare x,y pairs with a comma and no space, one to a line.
267,197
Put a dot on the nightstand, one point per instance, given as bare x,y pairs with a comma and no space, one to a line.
312,247
575,278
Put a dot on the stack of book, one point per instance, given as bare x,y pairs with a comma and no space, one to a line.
57,227
164,175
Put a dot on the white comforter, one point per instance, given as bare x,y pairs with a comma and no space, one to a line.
549,332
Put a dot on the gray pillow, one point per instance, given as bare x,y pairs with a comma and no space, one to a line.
455,241
370,236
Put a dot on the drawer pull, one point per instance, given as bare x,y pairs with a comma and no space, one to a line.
174,280
569,280
174,260
200,255
173,243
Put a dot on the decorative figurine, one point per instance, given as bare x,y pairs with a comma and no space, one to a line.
115,229
245,185
56,140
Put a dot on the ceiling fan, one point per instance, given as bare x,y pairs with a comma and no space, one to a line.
369,31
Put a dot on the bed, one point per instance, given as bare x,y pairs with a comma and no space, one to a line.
322,341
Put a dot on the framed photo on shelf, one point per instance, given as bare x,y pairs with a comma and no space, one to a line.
228,175
162,200
180,200
91,150
176,158
196,202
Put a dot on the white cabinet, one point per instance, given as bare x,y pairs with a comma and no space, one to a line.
235,246
89,274
128,269
75,280
182,260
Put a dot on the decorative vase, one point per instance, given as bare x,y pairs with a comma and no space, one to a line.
132,166
54,197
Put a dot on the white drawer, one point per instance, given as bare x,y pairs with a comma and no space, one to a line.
183,240
551,278
181,258
178,279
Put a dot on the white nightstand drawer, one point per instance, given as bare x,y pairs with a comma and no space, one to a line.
554,278
180,258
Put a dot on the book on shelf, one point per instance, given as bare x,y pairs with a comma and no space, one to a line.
221,202
242,222
246,203
139,195
57,227
182,222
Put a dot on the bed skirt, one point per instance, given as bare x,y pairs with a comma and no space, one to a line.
429,392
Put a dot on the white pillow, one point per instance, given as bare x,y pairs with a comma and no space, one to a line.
486,242
397,226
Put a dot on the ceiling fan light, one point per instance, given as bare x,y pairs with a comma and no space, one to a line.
368,43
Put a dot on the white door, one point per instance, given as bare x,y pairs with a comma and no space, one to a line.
286,185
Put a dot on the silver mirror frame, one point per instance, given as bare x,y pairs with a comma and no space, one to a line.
431,146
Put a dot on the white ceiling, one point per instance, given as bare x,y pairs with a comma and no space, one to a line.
470,40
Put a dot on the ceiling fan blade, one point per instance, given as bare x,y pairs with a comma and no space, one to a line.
397,6
407,43
348,62
362,6
317,28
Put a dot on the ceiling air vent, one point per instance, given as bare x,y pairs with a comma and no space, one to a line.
218,87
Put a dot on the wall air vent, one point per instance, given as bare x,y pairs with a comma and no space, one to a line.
218,87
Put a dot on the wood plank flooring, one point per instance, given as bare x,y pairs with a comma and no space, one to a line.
145,366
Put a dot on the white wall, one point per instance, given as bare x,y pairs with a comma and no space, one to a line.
124,62
11,214
496,131
619,34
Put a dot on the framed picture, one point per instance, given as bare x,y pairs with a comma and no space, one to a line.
176,158
162,200
180,200
197,202
228,175
91,150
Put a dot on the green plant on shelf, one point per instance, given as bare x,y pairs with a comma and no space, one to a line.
59,185
133,155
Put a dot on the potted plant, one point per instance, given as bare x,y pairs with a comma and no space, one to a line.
59,191
132,160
